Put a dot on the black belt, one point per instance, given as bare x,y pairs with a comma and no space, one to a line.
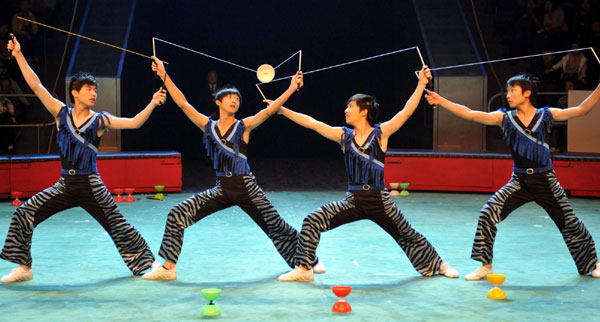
532,170
352,187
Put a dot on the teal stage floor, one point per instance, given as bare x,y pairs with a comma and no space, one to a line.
79,275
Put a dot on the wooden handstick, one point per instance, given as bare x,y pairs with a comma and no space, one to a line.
261,93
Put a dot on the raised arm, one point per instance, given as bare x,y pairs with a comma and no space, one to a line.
330,132
52,104
137,121
254,121
580,110
390,127
196,117
491,118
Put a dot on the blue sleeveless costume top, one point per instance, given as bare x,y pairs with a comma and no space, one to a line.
78,145
228,151
364,163
529,144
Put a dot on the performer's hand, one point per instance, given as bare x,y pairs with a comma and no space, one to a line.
159,97
158,67
424,75
433,98
297,81
13,46
268,101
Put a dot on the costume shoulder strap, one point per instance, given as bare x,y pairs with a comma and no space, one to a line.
346,140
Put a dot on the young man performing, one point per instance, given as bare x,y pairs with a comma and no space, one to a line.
79,130
526,130
364,148
226,142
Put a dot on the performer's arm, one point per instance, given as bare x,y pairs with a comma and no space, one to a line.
52,104
390,127
330,132
581,110
137,121
196,117
252,122
491,118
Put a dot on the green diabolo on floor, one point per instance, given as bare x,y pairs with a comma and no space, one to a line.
211,309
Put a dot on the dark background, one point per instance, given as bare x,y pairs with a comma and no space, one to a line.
254,33
258,32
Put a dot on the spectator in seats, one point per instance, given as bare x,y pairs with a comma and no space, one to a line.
7,134
554,18
550,81
553,25
19,103
10,86
26,30
525,29
208,91
573,65
558,134
563,101
586,14
592,39
4,38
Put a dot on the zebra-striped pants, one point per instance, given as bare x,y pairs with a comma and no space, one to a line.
242,191
376,206
89,193
543,189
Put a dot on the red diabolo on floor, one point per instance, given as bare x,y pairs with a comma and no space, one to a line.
341,306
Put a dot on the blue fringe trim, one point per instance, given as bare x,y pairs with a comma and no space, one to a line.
223,157
77,152
523,145
360,169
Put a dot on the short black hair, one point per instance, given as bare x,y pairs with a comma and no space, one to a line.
80,79
527,82
368,102
227,90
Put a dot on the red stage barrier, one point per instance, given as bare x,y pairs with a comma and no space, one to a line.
140,170
484,172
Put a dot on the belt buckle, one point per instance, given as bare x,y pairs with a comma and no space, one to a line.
72,172
229,174
529,171
527,131
223,141
366,187
361,149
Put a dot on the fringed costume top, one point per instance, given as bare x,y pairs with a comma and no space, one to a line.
364,163
529,144
228,151
79,145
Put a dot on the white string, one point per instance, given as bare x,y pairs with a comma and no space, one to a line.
507,59
346,63
206,55
296,53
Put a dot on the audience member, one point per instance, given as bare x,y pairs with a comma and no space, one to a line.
573,65
7,134
211,87
4,38
550,81
558,134
592,39
26,30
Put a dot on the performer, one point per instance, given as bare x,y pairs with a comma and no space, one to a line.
79,130
526,130
226,142
364,149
